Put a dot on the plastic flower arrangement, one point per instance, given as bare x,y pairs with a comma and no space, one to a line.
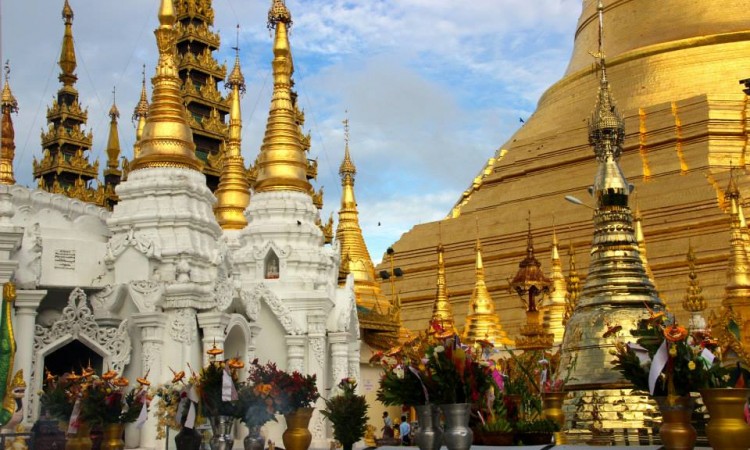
667,359
347,411
283,392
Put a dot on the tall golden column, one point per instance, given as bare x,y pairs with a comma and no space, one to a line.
694,302
442,313
482,323
233,193
140,113
617,289
732,328
112,174
167,140
554,308
282,163
572,285
638,224
8,105
532,286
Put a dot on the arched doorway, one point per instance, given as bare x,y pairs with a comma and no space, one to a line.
72,356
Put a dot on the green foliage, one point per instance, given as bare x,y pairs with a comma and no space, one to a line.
347,412
209,387
498,424
399,386
55,401
104,403
537,426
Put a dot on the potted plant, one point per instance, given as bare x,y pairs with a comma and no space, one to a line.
536,431
347,411
177,409
218,387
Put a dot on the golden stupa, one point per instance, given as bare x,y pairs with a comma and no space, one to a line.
675,67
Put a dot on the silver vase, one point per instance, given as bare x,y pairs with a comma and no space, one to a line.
222,438
254,440
429,435
457,434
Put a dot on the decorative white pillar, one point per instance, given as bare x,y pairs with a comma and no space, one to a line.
214,326
151,325
295,353
339,356
27,303
354,360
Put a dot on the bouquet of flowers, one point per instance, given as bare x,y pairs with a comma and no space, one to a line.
458,375
667,359
347,412
218,387
105,400
59,395
404,380
177,407
283,392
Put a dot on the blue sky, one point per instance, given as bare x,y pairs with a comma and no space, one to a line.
432,87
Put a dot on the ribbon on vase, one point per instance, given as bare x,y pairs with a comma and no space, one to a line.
228,391
424,388
75,421
657,365
143,415
192,395
640,352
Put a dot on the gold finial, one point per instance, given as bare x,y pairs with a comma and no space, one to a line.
347,166
113,141
694,301
67,53
282,163
167,140
114,113
554,312
8,105
233,193
442,313
140,113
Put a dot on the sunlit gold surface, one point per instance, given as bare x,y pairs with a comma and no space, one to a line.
640,238
554,307
112,174
482,323
282,163
8,105
694,302
727,428
572,286
442,312
167,141
233,193
140,113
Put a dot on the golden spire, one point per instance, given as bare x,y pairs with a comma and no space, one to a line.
637,222
573,285
482,323
442,313
738,279
233,193
140,113
355,256
693,302
113,141
554,310
167,140
8,105
282,163
67,53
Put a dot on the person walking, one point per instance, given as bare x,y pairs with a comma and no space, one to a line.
387,425
405,430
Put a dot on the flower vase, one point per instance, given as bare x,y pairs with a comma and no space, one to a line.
727,428
429,436
112,439
676,431
457,434
222,438
297,436
188,439
552,403
254,440
81,440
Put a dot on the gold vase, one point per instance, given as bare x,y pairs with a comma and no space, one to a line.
552,403
676,431
112,439
81,440
297,436
727,429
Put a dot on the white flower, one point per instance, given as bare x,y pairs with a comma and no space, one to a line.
439,349
399,371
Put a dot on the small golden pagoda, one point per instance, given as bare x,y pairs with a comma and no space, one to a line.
233,193
140,113
442,312
532,286
482,323
112,174
65,168
200,75
8,105
732,327
694,302
554,308
572,285
377,320
617,290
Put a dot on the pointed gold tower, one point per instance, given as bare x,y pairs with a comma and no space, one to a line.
112,174
572,285
8,105
554,308
617,290
482,323
140,113
233,193
442,312
638,224
532,286
282,163
694,302
65,168
167,140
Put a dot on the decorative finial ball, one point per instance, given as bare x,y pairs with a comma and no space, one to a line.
279,13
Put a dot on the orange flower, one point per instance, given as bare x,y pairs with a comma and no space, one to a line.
675,333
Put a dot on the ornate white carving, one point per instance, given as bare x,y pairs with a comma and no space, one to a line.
108,299
30,259
251,304
151,355
223,293
183,326
145,294
260,252
317,344
140,241
278,308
